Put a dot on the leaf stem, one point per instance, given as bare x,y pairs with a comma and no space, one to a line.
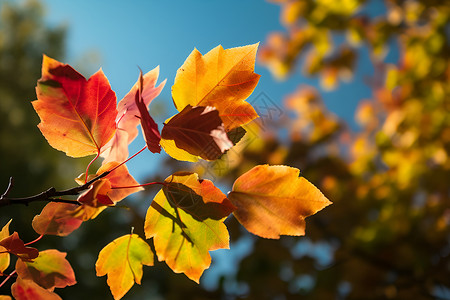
34,241
7,278
139,185
89,165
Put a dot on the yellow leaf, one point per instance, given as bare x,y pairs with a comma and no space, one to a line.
122,261
185,220
222,79
4,255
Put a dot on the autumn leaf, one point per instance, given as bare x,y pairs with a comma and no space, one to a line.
77,115
222,79
4,297
96,195
148,125
199,131
122,261
102,192
185,220
4,255
24,289
57,219
50,270
14,245
127,121
273,201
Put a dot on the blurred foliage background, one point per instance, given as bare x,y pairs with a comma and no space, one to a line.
387,235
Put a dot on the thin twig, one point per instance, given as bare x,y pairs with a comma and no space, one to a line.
50,194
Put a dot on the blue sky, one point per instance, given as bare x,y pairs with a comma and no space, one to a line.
128,34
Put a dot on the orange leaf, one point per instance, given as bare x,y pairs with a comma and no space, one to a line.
186,221
101,192
50,270
122,261
14,245
4,255
273,201
4,297
56,219
24,289
199,131
222,79
77,115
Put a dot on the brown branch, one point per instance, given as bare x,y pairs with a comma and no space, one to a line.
48,195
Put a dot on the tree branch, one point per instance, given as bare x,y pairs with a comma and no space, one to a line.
48,195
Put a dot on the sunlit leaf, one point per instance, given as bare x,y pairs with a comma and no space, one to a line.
148,125
4,255
24,289
185,220
77,115
122,261
102,192
199,131
14,245
57,219
50,270
127,120
273,201
222,79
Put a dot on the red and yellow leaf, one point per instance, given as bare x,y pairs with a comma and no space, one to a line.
14,245
198,131
24,289
4,255
50,270
185,220
56,219
273,201
222,79
77,115
126,120
122,261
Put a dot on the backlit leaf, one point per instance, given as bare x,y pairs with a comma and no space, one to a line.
4,255
57,219
148,125
101,192
24,289
199,131
122,261
185,220
50,270
127,121
77,115
273,201
14,245
222,79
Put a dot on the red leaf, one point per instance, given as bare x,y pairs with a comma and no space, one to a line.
29,290
16,246
127,120
149,126
199,131
77,115
57,219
